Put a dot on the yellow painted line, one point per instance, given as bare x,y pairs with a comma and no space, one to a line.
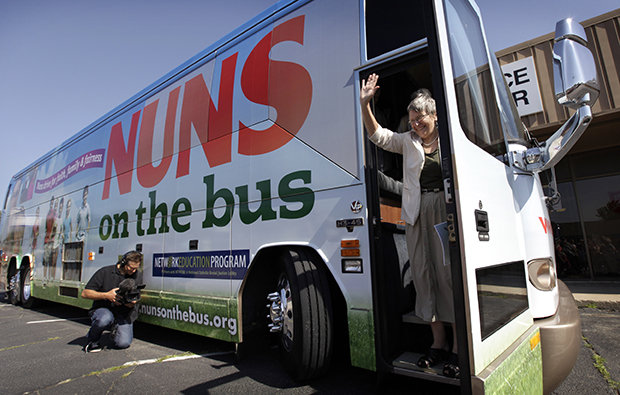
29,344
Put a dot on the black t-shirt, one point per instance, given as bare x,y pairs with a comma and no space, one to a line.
107,278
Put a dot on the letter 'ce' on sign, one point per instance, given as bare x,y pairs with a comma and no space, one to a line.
523,84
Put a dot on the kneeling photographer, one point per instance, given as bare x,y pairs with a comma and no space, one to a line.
114,289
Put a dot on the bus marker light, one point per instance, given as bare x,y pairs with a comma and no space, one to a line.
349,243
350,252
91,256
534,340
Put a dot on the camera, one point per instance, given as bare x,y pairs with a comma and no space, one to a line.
129,291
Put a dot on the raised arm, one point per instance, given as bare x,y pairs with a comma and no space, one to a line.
369,88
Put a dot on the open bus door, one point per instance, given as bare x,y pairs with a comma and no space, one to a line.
486,199
496,206
499,345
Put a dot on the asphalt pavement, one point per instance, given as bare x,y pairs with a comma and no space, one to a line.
41,352
597,370
598,365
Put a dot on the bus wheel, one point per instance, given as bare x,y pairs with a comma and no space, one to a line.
14,292
300,311
26,295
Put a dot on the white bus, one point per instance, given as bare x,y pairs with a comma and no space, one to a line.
246,179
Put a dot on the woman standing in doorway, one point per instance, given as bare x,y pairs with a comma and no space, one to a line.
423,207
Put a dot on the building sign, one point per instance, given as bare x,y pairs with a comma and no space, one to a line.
523,84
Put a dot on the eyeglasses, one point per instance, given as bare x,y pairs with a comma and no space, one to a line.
133,266
418,120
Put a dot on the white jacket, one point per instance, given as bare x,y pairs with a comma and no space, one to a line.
410,147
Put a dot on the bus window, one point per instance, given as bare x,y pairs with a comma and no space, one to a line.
391,24
6,198
502,295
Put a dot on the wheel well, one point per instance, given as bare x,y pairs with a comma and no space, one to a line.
12,268
262,279
25,263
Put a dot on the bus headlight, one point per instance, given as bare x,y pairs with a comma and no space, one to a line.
541,273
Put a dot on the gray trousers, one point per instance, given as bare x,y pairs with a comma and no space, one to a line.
431,278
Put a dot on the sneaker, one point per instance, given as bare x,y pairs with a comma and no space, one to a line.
92,347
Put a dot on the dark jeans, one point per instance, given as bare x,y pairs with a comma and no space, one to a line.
102,319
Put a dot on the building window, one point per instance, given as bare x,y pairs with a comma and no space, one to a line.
588,239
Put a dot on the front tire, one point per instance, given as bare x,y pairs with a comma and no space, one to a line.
302,315
25,289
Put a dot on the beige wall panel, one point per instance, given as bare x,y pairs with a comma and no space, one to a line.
603,102
609,46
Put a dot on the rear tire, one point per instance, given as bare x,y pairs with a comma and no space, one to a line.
14,284
306,338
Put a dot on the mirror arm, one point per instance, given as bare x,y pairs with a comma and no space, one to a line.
553,197
558,145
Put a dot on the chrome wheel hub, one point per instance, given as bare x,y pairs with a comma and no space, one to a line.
281,312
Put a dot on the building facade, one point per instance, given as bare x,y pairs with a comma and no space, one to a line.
587,220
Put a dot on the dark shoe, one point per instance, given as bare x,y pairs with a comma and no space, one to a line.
451,368
92,347
113,333
432,357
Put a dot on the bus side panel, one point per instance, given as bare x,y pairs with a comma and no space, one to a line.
51,293
519,371
538,240
362,339
207,316
266,150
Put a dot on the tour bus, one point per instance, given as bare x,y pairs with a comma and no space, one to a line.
264,214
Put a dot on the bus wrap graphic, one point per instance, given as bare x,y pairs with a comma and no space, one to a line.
89,160
202,264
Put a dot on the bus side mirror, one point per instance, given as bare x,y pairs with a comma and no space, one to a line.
576,87
574,70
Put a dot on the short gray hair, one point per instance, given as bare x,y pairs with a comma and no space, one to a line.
422,102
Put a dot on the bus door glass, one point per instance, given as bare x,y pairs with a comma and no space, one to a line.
488,235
